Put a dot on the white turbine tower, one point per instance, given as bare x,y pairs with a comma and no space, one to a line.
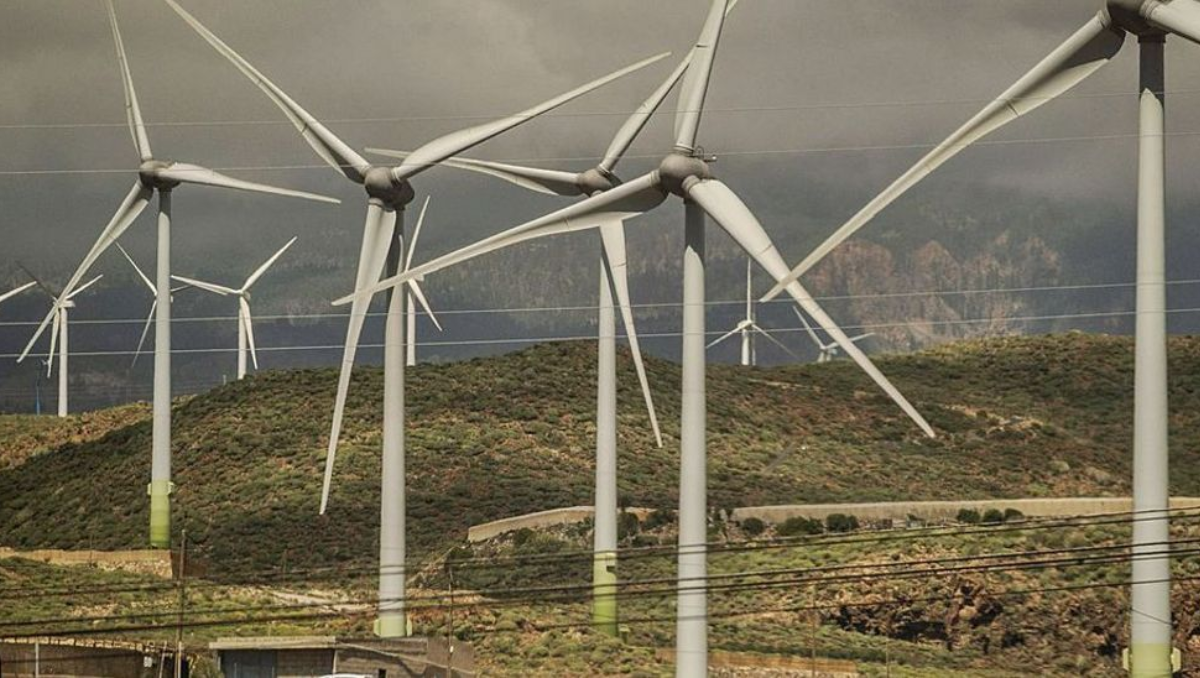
415,296
61,304
388,192
684,173
1084,53
161,176
748,327
245,320
826,351
153,304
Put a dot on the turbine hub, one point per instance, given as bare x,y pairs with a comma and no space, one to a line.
1130,15
67,303
677,170
381,186
596,181
148,174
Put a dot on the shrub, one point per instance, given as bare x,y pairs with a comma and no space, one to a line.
1011,514
799,526
840,522
753,527
968,516
993,517
627,525
659,518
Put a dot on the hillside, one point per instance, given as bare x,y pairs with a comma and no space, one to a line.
503,436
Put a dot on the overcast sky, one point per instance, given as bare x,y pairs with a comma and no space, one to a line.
793,77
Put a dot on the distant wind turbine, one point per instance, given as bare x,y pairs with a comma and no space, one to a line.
153,304
1088,50
825,351
245,320
415,295
161,176
748,327
61,304
388,193
684,172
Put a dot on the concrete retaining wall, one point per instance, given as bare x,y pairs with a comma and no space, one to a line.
540,520
947,510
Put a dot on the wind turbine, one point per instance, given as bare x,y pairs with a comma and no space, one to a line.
825,351
245,321
161,176
389,191
685,172
61,304
415,295
1088,50
614,284
748,327
153,305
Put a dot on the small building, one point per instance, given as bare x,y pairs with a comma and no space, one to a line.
314,656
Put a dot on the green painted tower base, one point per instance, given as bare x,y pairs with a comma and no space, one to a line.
393,625
160,513
1152,660
604,592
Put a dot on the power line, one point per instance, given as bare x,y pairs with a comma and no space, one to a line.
1096,315
507,561
654,305
652,156
897,103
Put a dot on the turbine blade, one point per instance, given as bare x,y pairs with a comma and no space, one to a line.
736,219
244,309
84,286
808,328
550,182
133,112
15,292
53,342
412,242
258,273
624,201
615,259
636,122
137,268
337,153
145,331
419,295
725,336
1181,17
1084,53
695,83
208,287
860,337
378,230
186,173
131,207
41,284
775,341
454,143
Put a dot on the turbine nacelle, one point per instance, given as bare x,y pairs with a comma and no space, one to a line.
1130,16
596,180
150,174
382,185
678,172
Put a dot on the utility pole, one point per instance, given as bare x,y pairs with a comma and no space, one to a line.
182,603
